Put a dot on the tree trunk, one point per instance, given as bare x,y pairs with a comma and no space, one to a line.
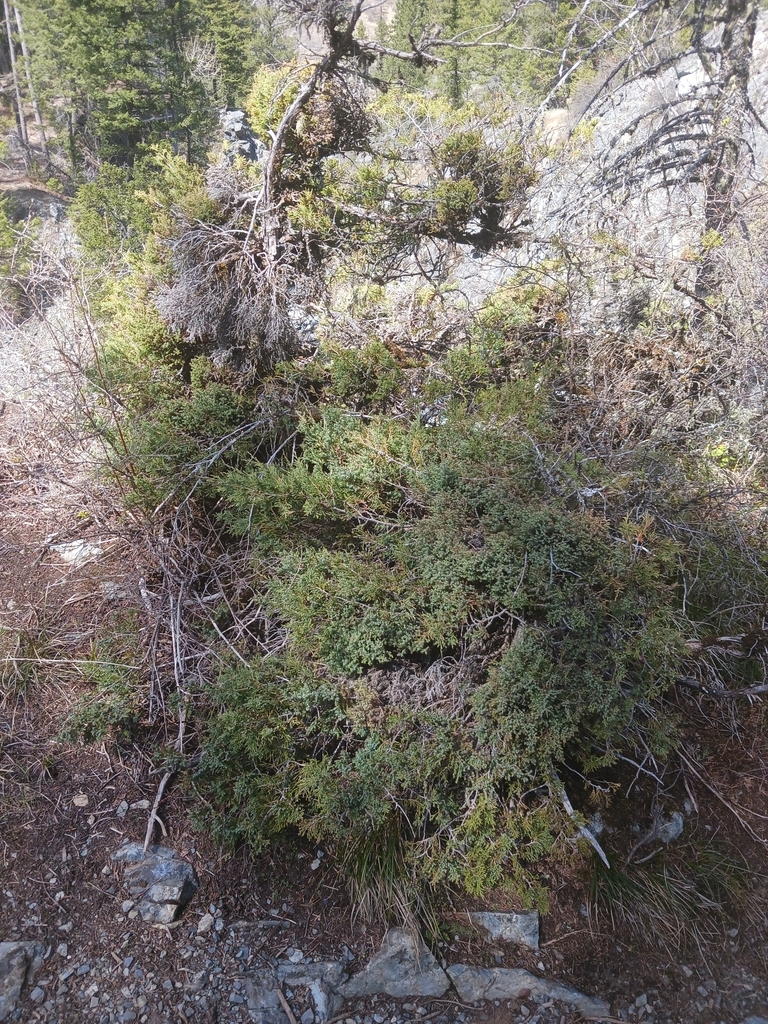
22,124
30,85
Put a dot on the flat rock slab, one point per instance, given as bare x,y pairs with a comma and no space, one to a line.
475,984
18,963
402,967
520,928
323,981
260,987
160,881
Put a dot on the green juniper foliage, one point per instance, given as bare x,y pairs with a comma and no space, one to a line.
469,582
456,634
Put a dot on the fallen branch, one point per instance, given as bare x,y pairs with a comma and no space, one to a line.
285,1006
748,691
582,829
153,813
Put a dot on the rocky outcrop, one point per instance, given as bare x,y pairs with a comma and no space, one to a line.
240,140
402,967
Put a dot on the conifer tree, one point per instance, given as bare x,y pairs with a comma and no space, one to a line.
116,70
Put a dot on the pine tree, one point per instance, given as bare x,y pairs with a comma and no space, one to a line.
115,71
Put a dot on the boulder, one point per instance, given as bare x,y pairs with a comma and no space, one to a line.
475,984
18,963
160,881
402,967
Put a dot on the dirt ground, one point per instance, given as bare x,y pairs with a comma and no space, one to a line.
65,807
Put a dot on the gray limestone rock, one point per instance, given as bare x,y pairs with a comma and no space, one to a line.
520,928
755,1020
474,984
323,981
260,989
18,964
160,881
240,139
400,968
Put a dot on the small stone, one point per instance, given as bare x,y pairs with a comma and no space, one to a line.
37,995
205,924
315,864
83,969
62,949
642,1000
237,999
122,809
126,905
80,800
296,956
687,971
140,805
308,1017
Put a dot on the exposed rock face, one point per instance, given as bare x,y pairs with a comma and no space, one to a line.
18,964
400,968
160,881
520,928
477,983
240,139
589,186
